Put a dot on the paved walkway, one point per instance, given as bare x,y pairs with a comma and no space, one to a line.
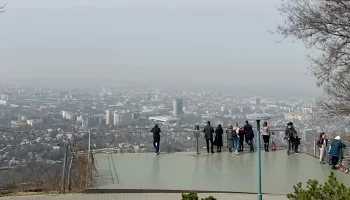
139,197
219,172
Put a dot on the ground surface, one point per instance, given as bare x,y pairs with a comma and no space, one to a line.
139,197
219,172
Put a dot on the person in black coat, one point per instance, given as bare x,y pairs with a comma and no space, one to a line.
249,135
218,138
156,137
208,135
241,141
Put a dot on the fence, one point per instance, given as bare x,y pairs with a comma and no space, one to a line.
311,148
141,140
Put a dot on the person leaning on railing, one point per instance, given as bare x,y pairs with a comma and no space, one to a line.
290,134
229,133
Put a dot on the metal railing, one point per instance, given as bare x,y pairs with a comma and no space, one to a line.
310,146
141,140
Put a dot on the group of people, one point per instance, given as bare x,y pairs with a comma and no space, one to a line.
335,151
235,137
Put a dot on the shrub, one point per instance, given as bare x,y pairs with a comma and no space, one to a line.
332,189
194,196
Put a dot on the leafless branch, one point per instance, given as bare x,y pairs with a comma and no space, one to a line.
324,26
2,8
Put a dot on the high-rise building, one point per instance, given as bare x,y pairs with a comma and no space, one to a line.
109,117
178,107
5,122
88,121
122,119
257,101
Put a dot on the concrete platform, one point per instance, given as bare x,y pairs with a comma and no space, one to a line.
148,196
220,172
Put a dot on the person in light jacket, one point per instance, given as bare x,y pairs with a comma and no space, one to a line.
229,133
322,145
236,138
266,136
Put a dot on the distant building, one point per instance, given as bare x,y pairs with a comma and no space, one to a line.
6,97
109,117
34,122
257,101
86,122
164,119
178,107
122,119
5,122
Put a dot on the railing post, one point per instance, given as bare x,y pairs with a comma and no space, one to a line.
259,160
64,169
314,147
196,135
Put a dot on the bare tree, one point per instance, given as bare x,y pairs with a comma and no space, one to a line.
324,27
2,8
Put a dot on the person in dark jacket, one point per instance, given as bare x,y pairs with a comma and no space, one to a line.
229,133
249,135
336,151
156,138
208,135
218,138
290,134
241,141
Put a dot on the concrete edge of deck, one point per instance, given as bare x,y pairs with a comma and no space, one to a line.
97,191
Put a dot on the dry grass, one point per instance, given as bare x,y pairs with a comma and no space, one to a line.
42,177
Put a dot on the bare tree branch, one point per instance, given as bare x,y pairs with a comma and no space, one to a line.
324,26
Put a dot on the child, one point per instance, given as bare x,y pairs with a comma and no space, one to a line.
296,144
274,141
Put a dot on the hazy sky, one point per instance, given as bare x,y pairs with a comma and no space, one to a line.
195,41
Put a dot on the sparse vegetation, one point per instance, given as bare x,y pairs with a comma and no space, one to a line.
46,177
194,196
332,189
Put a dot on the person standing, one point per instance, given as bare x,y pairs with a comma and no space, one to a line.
236,138
266,136
336,151
249,135
156,138
229,133
208,135
322,145
274,141
290,134
218,138
241,139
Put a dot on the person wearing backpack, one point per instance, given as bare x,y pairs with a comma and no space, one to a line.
229,133
322,145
